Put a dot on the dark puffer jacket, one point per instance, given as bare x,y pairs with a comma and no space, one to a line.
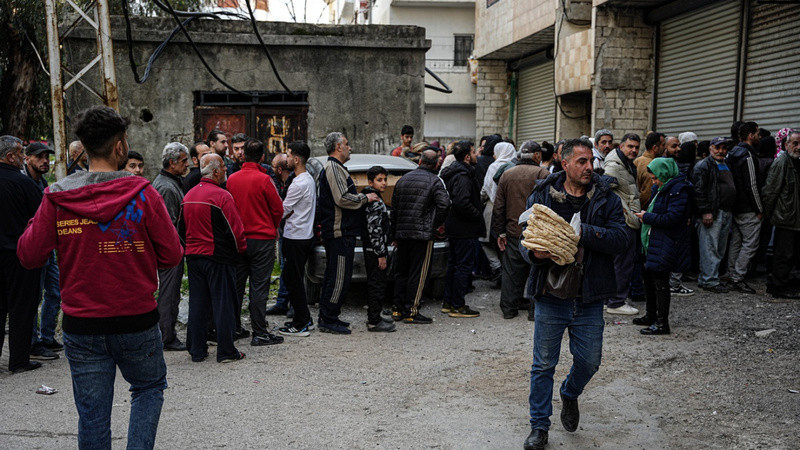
466,213
603,236
419,205
705,178
670,227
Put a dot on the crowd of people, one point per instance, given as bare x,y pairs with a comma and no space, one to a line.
649,212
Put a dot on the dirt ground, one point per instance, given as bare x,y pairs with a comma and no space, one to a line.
462,383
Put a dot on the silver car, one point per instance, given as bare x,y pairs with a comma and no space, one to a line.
358,166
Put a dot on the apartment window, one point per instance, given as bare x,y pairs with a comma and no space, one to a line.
462,49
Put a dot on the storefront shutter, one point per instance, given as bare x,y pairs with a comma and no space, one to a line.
696,82
772,73
536,103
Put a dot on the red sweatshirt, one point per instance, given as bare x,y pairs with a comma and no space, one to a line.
257,201
112,232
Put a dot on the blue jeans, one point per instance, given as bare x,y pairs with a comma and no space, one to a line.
93,361
44,329
585,324
713,242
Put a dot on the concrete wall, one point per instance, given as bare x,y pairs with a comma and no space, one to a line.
365,81
508,21
624,68
491,110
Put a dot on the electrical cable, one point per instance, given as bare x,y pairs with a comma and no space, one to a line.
266,50
168,7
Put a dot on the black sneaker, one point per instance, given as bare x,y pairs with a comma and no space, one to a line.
309,326
39,352
464,311
717,289
342,323
385,327
447,308
239,356
743,287
292,331
333,328
265,339
212,337
241,333
53,345
32,365
786,294
417,319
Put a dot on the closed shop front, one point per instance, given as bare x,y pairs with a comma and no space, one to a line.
536,102
696,77
772,70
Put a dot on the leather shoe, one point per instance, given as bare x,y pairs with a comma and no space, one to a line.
32,365
570,415
175,345
645,320
536,440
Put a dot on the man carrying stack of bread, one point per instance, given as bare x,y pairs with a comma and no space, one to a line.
569,288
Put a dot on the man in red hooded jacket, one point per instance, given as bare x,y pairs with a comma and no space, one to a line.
112,232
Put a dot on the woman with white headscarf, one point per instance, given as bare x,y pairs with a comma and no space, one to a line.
503,153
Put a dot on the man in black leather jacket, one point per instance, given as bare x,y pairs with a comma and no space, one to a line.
419,206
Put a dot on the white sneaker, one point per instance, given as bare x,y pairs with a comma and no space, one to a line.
625,309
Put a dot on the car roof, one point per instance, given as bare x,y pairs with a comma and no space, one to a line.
360,162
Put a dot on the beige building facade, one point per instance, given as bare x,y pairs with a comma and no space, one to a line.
552,69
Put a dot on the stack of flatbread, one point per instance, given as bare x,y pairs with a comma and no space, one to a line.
548,232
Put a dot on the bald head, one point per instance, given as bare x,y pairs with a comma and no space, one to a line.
212,166
429,159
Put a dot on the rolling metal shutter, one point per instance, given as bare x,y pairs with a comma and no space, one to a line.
772,78
536,103
698,55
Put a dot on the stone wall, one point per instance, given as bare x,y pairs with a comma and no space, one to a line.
492,98
367,81
624,67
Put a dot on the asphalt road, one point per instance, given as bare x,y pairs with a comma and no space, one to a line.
461,383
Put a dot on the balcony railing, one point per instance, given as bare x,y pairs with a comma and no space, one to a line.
445,65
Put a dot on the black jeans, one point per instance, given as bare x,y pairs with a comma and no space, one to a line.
459,265
412,267
19,292
656,290
338,272
784,257
295,255
257,265
376,288
211,283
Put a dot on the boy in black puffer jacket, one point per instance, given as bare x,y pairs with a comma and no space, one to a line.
375,239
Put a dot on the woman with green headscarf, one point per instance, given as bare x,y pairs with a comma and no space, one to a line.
666,230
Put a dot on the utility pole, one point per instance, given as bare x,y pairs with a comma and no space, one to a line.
105,56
